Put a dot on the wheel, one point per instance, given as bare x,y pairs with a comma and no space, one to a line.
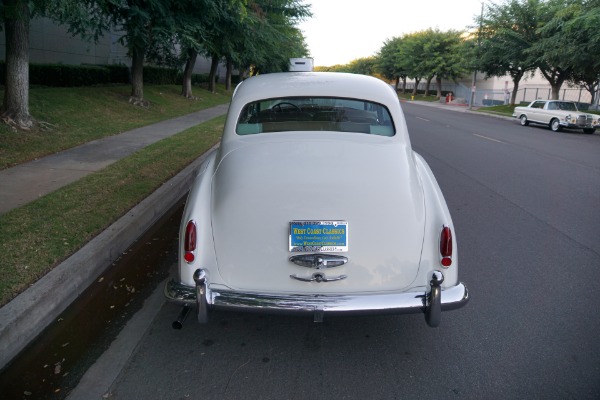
589,131
524,121
555,125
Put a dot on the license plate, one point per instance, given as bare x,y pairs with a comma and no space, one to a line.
318,236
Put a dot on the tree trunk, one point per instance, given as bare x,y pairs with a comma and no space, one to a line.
397,85
186,88
513,96
556,90
592,88
427,85
228,75
556,78
15,107
137,77
438,83
417,81
212,76
403,84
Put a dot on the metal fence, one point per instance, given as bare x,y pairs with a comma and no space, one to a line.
529,94
524,95
446,87
484,97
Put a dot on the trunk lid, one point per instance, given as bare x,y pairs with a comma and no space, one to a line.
260,188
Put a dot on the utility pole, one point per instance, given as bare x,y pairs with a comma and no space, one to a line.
473,83
598,94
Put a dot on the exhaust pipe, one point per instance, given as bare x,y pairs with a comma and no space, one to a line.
178,323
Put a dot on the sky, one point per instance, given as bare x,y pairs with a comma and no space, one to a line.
343,30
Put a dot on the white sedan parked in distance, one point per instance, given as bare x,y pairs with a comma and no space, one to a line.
315,203
557,114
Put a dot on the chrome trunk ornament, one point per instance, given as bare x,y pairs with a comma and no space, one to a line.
319,277
318,261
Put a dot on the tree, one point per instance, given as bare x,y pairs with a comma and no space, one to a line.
257,35
579,40
388,62
146,24
589,79
15,107
16,15
364,66
452,63
275,33
508,32
411,57
197,21
441,57
549,49
334,68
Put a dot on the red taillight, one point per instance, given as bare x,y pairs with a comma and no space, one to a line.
446,246
189,244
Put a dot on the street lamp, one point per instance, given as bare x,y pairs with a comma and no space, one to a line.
473,87
598,94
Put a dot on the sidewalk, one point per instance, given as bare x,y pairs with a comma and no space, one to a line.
23,318
445,106
26,182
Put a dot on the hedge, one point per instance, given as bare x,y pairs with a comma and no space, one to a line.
61,75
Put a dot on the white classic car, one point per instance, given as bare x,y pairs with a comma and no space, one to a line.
315,203
557,114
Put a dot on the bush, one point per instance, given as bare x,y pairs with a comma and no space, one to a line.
118,73
198,79
67,75
491,102
161,76
62,75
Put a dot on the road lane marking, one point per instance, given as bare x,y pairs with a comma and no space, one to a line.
493,140
423,119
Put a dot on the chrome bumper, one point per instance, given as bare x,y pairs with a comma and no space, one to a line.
577,126
317,304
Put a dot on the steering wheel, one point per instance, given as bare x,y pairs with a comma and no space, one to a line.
277,107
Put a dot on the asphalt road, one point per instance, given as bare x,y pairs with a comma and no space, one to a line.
526,205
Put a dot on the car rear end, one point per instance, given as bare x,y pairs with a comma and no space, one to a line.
288,218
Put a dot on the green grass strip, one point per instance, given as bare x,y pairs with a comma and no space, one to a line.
36,237
408,96
79,115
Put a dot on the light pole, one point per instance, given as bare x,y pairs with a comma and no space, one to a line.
598,94
473,83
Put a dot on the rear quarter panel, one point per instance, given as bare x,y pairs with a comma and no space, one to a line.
197,208
437,216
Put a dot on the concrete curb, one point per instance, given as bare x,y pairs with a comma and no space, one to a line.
29,313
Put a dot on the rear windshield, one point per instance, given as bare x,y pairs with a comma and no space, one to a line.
315,114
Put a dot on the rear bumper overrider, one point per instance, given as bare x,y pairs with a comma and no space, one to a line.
442,299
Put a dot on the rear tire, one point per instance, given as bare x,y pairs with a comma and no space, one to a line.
524,121
555,125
